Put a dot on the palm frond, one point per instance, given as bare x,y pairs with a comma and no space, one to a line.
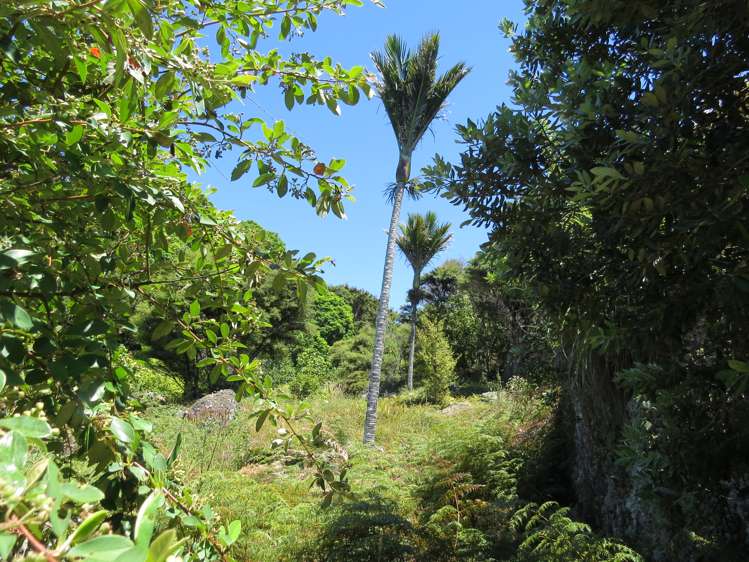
409,88
422,238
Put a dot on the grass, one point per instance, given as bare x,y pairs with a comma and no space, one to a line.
241,477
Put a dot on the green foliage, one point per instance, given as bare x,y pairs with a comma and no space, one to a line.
312,366
370,529
149,380
103,109
333,316
435,365
550,534
410,89
615,188
363,304
351,358
420,240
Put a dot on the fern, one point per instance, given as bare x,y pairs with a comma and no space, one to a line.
549,534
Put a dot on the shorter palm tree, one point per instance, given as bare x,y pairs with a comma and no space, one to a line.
419,241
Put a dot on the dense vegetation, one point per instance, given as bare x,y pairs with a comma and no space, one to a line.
576,391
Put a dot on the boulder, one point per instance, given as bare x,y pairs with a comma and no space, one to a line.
456,408
218,407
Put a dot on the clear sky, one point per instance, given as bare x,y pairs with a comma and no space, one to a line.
363,137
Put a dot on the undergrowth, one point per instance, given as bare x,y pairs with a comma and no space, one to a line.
439,485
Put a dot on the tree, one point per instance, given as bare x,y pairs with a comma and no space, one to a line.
103,108
333,316
420,240
616,188
363,303
444,281
413,96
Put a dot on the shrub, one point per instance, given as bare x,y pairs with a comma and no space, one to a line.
352,357
313,369
435,363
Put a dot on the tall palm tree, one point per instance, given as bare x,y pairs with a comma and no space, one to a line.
413,95
419,241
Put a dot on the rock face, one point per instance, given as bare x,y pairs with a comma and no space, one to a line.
218,407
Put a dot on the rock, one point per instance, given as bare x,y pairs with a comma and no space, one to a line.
491,396
456,408
218,407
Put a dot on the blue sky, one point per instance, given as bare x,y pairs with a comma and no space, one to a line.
363,137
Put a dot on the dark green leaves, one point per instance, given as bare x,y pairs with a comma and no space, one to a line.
15,315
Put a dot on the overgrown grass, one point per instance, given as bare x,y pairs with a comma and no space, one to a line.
439,485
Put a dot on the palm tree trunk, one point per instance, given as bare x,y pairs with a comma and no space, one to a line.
412,341
373,392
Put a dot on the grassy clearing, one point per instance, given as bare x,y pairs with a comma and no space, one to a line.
242,478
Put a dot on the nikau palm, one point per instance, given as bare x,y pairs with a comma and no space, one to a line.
413,96
420,240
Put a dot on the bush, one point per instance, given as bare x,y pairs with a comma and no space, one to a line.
435,363
352,358
313,369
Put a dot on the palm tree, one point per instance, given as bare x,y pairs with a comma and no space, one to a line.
413,95
420,240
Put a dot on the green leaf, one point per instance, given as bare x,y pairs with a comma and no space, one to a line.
16,315
88,526
175,450
261,419
234,529
122,430
3,379
288,98
606,172
263,179
164,85
74,135
283,185
28,426
142,17
243,80
195,309
82,494
134,554
13,450
285,27
240,169
145,522
163,546
6,545
739,366
164,328
105,548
